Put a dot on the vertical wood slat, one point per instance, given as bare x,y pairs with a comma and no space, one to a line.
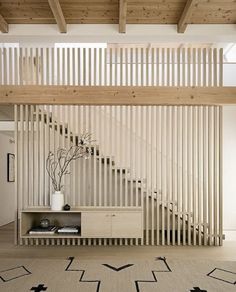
10,66
42,156
42,66
16,133
199,67
115,81
184,175
147,66
150,172
1,71
48,73
210,173
72,120
183,67
144,167
204,67
131,156
174,172
216,174
210,67
26,149
189,174
95,159
84,165
143,184
220,157
168,171
179,172
121,157
16,65
189,62
194,159
126,67
200,159
205,172
107,160
47,149
68,144
68,68
5,67
26,66
90,66
84,67
215,65
163,135
221,56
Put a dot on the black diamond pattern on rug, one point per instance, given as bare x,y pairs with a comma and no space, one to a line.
167,269
39,288
223,275
14,273
118,269
68,269
197,289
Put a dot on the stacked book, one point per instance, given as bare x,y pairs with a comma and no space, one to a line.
69,230
43,230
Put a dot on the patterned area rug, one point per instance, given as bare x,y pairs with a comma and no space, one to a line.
160,274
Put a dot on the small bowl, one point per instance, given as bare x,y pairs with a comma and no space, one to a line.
44,223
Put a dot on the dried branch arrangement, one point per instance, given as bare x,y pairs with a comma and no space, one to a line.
57,163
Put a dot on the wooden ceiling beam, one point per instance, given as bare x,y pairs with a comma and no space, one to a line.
116,95
58,15
122,15
186,15
3,25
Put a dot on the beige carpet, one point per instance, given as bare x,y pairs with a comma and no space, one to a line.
160,274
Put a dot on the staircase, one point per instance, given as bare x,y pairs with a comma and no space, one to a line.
126,186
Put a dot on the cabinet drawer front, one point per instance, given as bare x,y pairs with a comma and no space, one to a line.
96,224
127,225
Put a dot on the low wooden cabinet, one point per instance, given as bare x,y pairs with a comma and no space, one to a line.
127,225
116,224
94,222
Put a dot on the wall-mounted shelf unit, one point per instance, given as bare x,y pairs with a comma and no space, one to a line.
94,222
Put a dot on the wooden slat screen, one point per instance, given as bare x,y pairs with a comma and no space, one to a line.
164,158
112,66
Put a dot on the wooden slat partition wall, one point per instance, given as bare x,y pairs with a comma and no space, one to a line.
171,161
164,158
113,66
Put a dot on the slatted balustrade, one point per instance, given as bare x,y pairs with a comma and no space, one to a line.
112,66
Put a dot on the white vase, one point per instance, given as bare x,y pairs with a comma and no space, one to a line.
57,202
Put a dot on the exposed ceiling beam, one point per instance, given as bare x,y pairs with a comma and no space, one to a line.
3,25
122,15
116,95
186,15
58,15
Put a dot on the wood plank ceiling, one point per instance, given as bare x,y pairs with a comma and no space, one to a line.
122,12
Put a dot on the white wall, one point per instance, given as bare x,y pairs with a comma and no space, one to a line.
229,167
229,153
42,34
7,192
229,74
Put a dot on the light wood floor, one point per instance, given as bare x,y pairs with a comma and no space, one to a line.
9,250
